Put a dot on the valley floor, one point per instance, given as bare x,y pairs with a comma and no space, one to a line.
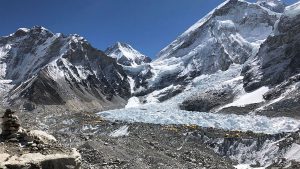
116,144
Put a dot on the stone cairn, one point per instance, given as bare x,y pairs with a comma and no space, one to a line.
10,124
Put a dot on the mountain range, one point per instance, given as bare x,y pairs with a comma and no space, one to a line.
39,67
236,69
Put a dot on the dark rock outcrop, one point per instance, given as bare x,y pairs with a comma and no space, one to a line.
205,102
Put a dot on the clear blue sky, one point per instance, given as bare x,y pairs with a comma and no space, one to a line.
148,25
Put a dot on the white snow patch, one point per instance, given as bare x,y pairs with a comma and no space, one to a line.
24,29
122,131
249,98
133,102
3,52
84,73
132,84
54,71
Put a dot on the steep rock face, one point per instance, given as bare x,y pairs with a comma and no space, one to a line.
277,65
53,69
126,55
230,34
279,57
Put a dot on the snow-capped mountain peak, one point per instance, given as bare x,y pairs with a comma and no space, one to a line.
127,55
230,34
51,68
234,17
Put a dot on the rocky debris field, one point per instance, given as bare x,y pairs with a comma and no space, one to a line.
106,144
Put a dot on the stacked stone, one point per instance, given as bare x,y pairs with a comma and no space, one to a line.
10,124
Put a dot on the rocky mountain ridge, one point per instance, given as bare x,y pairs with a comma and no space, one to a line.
39,67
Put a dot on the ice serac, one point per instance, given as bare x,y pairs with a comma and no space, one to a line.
230,34
127,55
39,67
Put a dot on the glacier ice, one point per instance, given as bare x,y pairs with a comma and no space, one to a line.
168,112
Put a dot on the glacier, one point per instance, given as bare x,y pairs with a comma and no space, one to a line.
168,112
156,114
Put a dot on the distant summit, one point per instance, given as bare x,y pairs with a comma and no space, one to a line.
127,55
